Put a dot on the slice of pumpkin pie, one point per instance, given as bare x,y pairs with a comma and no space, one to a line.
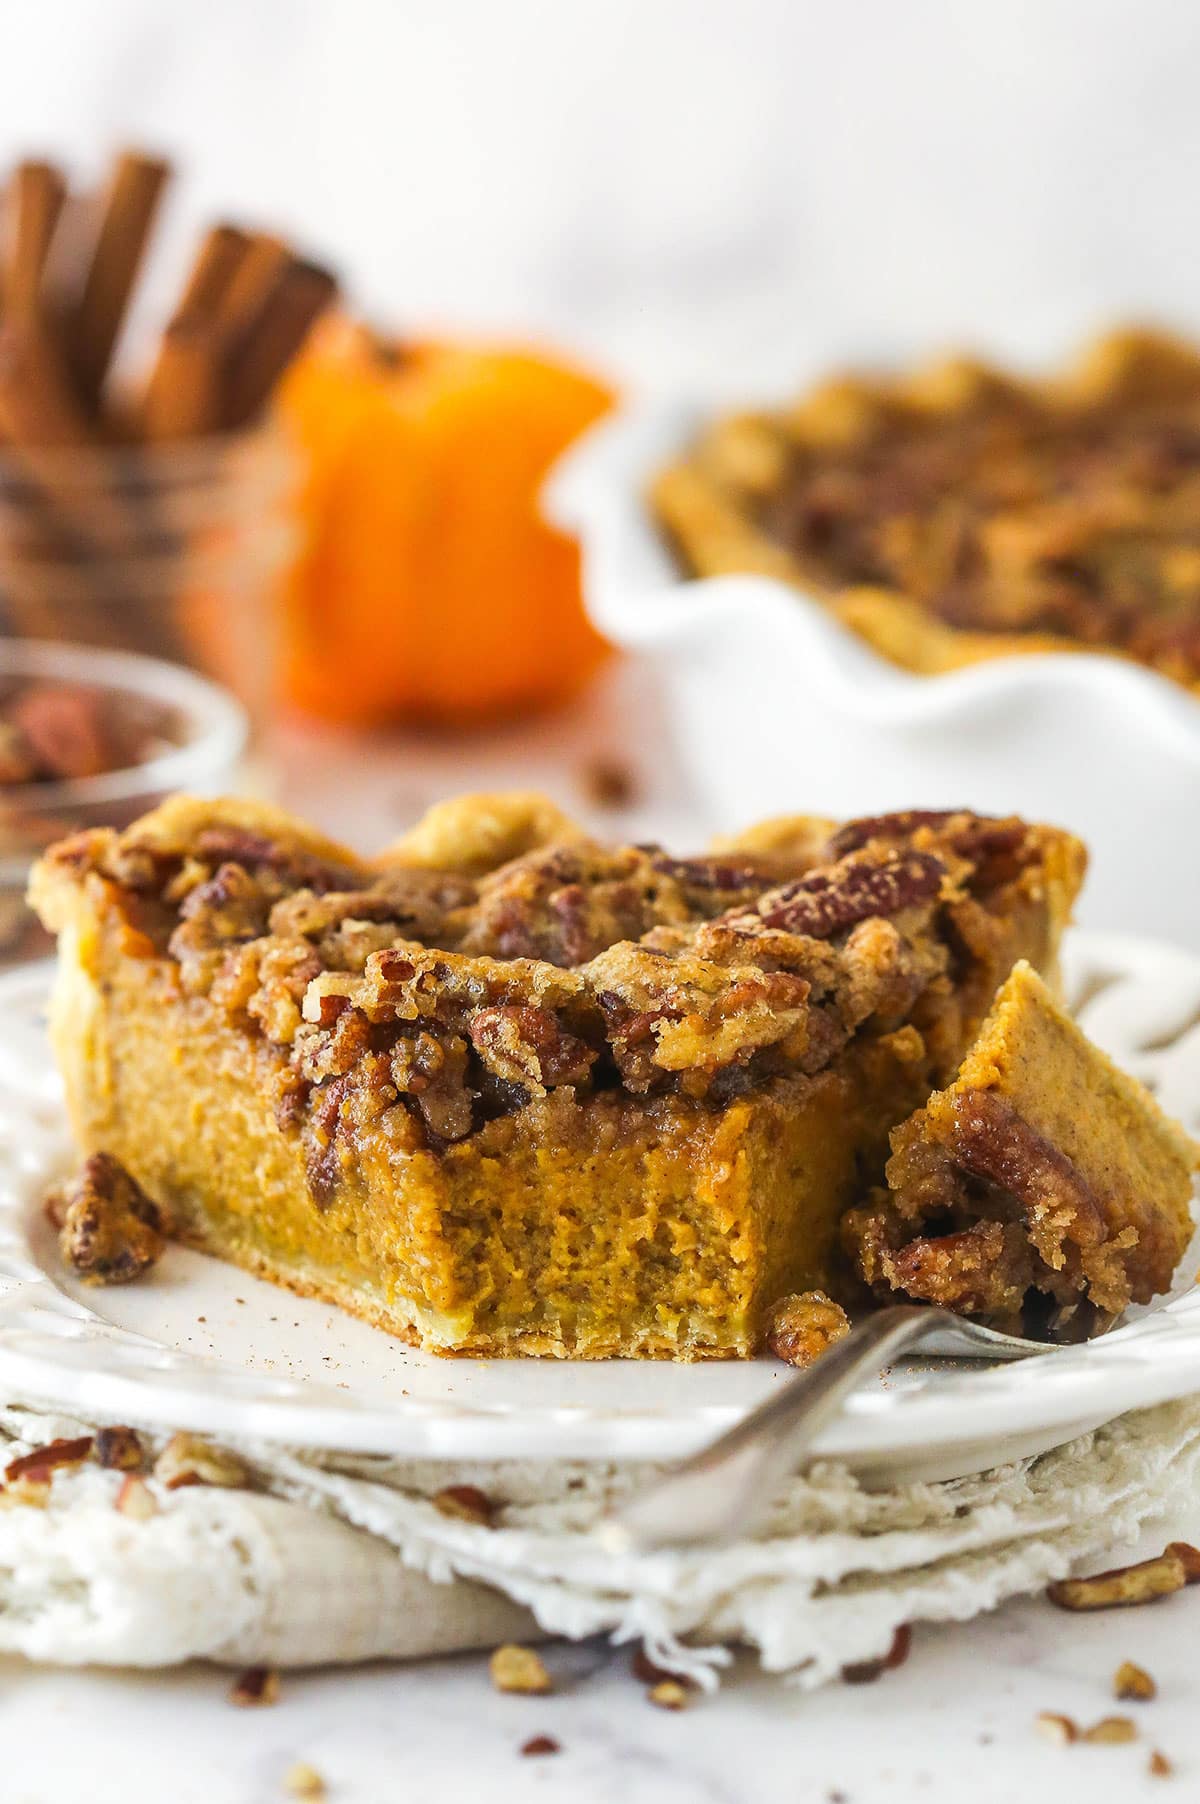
506,1090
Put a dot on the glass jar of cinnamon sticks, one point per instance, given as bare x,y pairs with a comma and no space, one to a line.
171,550
152,516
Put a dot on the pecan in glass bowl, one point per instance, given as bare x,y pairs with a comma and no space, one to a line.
92,738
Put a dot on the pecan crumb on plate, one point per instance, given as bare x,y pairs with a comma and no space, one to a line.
1111,1729
120,1449
802,1327
865,1672
541,1744
465,1503
1189,1558
257,1685
187,1460
519,1669
1133,1683
1140,1583
34,1493
38,1466
1056,1728
669,1694
109,1230
649,1672
135,1499
303,1781
1158,1766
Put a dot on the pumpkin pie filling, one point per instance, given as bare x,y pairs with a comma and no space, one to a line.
505,1090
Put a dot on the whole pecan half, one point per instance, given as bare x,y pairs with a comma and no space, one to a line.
824,902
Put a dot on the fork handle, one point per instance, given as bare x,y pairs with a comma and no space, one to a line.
721,1493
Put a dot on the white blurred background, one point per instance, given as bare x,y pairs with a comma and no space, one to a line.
710,194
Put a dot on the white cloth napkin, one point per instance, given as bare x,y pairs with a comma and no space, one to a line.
330,1559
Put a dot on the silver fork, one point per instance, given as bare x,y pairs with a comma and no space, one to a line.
722,1492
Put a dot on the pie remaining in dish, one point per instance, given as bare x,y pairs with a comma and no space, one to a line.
962,513
506,1090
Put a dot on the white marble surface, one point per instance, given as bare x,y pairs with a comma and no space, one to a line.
956,1723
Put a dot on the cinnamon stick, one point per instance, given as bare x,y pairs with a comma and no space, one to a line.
91,525
183,396
38,408
39,419
130,206
253,283
222,252
302,292
35,200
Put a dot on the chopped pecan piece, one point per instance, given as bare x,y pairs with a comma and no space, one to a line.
541,1744
293,863
1062,1730
1111,1729
853,835
649,1672
519,1669
802,1327
1121,1585
1189,1557
690,1017
668,1694
188,1460
135,1499
39,1466
120,1449
258,1685
465,1503
528,1046
303,1781
434,1073
992,846
65,732
865,1672
1133,1683
608,783
563,904
110,1231
32,1493
1158,1766
824,902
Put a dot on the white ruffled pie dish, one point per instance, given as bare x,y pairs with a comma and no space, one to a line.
775,707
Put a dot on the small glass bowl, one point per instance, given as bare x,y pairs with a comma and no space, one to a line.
209,731
172,551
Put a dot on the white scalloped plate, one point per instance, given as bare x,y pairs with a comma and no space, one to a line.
199,1345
